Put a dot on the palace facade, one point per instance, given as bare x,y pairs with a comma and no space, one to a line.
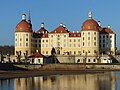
91,40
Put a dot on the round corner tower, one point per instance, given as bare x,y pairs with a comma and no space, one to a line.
23,37
90,37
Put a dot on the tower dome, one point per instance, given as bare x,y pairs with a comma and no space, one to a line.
42,29
23,26
90,24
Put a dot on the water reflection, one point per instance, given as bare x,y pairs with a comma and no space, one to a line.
105,81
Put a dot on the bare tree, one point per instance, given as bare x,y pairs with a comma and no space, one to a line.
26,56
18,56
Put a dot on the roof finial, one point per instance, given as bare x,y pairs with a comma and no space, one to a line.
90,15
23,16
108,26
42,25
61,24
29,18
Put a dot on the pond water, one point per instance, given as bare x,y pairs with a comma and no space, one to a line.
99,81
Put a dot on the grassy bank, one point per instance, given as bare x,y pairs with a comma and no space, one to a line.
57,69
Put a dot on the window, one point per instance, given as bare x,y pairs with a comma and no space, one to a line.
64,40
78,45
20,44
20,39
83,51
36,41
74,45
107,36
94,33
26,39
70,45
16,44
74,40
78,60
42,40
58,35
88,43
94,43
70,52
42,52
110,36
15,34
70,40
103,45
58,38
78,40
83,44
46,40
99,36
58,44
103,41
74,52
26,34
46,45
64,45
20,28
35,45
103,36
39,45
88,51
83,33
26,44
94,51
39,40
94,60
88,33
51,35
16,39
83,38
88,60
79,52
42,45
64,35
46,52
94,38
88,38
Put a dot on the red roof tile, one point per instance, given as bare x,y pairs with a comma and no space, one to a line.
75,34
105,31
60,29
36,55
90,25
24,26
45,35
42,30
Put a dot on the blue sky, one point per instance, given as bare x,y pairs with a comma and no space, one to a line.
52,12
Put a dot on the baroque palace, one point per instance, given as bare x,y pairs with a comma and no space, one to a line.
91,40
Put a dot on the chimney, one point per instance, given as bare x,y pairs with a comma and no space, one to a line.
108,26
42,25
99,23
61,24
64,25
37,51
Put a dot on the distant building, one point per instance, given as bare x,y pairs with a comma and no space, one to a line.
91,40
